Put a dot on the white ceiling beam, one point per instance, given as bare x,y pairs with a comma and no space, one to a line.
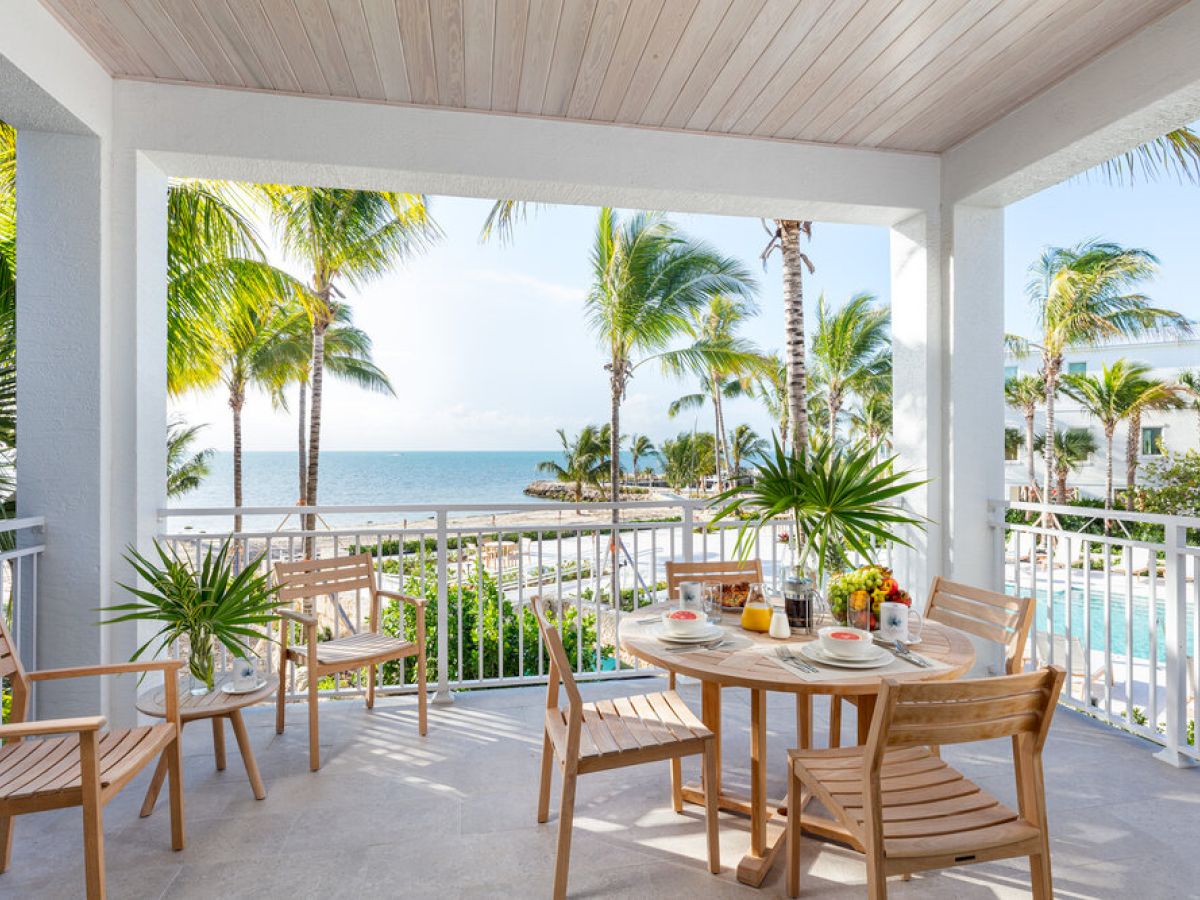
48,82
253,136
1142,88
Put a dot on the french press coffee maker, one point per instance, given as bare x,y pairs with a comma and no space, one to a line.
800,601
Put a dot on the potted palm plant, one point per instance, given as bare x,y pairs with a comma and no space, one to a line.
839,500
205,607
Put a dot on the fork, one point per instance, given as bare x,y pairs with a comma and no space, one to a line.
793,660
908,656
713,645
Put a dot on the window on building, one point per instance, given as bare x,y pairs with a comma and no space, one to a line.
1010,372
1152,441
1077,368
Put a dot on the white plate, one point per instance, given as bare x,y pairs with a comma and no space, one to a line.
228,687
709,633
814,651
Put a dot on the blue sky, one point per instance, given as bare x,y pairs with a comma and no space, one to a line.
487,347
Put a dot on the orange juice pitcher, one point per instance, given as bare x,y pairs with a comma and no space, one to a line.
756,614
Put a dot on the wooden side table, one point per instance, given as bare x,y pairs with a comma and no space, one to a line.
218,706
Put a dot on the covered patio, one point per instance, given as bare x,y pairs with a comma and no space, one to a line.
924,119
452,815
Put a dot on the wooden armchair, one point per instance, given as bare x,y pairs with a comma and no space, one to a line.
989,615
728,573
310,579
86,765
610,734
898,803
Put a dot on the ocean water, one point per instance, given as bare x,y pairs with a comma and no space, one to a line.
356,478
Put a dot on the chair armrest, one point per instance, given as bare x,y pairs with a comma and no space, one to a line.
300,617
418,602
52,726
158,665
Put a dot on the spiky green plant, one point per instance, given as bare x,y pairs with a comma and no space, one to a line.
837,498
215,603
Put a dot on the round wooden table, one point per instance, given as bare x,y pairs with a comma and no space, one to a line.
218,706
749,663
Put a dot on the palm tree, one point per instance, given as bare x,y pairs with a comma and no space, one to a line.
1013,439
648,280
1026,392
786,238
715,328
347,357
769,385
640,446
342,236
1072,448
744,445
185,469
871,422
1084,295
1154,394
1110,397
688,458
583,460
851,352
1176,153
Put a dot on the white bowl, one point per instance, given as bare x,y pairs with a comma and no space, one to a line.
846,642
684,622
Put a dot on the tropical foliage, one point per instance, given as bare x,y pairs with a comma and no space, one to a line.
583,460
185,469
838,500
744,444
1071,450
648,281
851,354
786,238
688,458
1025,393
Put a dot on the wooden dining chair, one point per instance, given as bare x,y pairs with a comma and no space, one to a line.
609,734
901,805
78,762
990,615
728,574
307,581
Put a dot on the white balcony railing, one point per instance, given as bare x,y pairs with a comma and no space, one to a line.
21,547
1117,610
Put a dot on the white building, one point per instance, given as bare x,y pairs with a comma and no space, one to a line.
1173,430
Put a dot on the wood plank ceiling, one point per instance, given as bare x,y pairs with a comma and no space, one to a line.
903,74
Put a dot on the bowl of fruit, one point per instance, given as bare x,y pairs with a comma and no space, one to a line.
855,596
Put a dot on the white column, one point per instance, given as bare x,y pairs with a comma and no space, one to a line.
61,411
917,352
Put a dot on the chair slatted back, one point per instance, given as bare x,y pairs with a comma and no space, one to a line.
560,666
11,668
308,579
986,614
954,712
722,572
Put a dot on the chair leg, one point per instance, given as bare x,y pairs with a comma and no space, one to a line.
1042,884
566,817
371,686
93,818
174,755
6,842
281,693
711,810
218,728
543,810
835,720
676,765
876,878
314,734
793,836
422,699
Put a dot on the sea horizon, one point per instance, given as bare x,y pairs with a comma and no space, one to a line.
270,478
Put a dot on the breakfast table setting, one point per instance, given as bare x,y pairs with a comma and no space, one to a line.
766,641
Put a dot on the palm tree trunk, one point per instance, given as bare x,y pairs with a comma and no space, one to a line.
314,433
301,444
1108,468
1029,451
793,327
835,406
617,382
722,451
1051,368
1062,485
237,397
1132,452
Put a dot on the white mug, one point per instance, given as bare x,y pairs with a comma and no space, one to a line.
897,620
245,675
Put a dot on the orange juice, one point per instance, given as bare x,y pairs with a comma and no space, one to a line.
756,616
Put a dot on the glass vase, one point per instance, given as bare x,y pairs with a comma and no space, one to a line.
201,662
